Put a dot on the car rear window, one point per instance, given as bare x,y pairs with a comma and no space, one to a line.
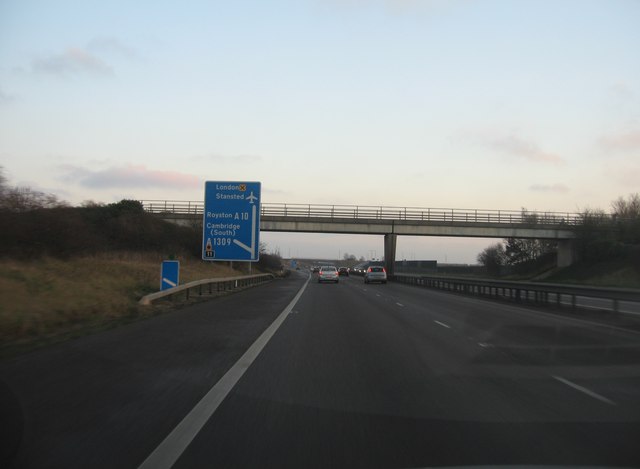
328,268
377,269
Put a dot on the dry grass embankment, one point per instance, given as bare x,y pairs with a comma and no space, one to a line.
48,300
619,273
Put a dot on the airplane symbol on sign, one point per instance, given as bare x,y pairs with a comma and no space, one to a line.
251,198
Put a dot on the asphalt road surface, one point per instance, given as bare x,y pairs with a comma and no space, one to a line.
351,375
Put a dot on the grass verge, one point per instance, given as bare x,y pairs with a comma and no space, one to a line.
618,273
50,300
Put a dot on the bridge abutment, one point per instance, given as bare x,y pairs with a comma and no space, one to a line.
566,252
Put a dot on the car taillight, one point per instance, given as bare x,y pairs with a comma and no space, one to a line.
384,270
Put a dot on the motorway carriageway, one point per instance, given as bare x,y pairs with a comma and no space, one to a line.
339,375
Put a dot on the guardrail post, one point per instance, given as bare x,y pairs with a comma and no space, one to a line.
615,306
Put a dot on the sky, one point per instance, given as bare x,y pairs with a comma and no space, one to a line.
470,104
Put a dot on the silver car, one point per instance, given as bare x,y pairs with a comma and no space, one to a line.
375,273
328,273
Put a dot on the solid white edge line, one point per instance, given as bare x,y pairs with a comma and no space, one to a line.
443,324
172,447
588,392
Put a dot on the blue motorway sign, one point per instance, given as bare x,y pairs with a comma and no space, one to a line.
231,221
169,274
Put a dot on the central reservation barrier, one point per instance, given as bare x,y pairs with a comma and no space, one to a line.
526,292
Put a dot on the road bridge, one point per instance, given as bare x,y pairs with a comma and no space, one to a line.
393,221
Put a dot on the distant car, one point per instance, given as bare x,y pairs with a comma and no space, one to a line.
315,269
343,271
328,273
375,273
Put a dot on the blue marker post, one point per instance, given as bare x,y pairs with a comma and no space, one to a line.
169,275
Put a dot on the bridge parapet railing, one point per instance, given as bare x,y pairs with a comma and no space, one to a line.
418,214
178,207
359,212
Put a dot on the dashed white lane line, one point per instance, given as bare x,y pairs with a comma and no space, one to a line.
172,447
443,324
588,392
400,304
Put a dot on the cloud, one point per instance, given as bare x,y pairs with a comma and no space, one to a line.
111,45
627,176
275,192
130,176
622,90
396,6
223,159
74,60
557,188
627,141
6,98
516,146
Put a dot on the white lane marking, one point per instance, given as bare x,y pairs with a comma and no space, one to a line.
378,294
443,324
588,392
535,314
400,304
172,447
485,345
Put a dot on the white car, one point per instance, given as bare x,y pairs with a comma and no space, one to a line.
328,273
375,273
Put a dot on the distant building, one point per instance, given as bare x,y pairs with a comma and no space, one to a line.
416,267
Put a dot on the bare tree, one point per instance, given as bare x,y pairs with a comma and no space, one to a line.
627,209
519,250
24,199
3,182
627,214
492,258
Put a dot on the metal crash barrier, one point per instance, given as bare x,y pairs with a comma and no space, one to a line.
209,286
548,294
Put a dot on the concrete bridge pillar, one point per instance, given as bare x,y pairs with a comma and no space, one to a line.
566,253
390,253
